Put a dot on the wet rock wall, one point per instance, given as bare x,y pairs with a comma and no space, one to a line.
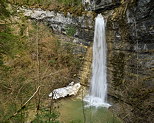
130,37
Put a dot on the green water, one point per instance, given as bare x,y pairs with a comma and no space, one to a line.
71,111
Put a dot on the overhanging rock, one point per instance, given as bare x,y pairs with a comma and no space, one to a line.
101,5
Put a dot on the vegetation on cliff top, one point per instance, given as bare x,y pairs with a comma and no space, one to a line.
48,4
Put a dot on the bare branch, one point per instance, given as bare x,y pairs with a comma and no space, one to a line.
24,105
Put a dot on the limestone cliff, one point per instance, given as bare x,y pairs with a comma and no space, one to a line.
131,59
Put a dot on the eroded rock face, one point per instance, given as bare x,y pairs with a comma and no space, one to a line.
80,27
100,5
130,38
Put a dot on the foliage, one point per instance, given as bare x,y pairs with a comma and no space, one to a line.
31,2
71,30
45,2
3,11
76,121
19,64
70,2
9,45
18,79
46,116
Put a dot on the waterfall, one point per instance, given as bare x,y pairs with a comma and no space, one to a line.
98,87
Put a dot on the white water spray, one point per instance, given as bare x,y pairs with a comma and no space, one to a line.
98,88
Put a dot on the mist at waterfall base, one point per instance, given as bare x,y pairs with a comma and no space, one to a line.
98,86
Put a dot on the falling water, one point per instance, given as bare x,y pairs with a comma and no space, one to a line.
98,88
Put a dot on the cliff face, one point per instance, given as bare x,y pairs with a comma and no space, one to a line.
80,27
131,60
100,5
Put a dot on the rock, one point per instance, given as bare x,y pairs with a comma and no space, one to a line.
82,26
130,60
69,90
100,5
